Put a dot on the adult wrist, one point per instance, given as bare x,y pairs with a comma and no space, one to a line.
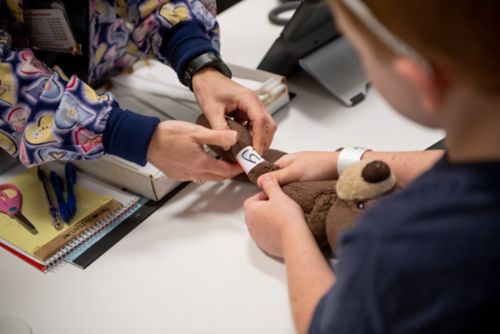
204,77
349,155
206,60
183,43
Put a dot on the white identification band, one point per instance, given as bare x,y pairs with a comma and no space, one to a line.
348,156
248,158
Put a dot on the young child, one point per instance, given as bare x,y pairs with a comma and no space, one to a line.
427,258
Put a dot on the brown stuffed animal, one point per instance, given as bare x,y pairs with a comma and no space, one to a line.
330,207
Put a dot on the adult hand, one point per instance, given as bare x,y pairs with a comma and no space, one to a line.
271,214
218,95
176,148
306,166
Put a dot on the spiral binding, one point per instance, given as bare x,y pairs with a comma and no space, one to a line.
101,234
102,227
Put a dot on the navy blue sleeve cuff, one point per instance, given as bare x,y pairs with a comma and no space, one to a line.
183,43
127,135
314,326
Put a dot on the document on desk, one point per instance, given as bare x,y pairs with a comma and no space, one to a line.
98,206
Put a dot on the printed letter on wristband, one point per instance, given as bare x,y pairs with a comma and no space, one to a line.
248,158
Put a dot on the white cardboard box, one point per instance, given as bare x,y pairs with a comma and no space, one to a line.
153,89
147,181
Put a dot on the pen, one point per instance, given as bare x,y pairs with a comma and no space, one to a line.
70,174
56,220
58,186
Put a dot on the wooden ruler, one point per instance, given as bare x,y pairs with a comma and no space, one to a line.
78,229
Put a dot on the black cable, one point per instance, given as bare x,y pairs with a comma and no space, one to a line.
274,15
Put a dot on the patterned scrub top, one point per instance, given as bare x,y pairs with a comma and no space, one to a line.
46,116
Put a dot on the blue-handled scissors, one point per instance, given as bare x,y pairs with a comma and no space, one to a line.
11,203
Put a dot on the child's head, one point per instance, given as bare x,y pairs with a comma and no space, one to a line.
422,54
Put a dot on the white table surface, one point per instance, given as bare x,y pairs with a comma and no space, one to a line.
191,267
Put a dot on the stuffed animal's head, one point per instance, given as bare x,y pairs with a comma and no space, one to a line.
244,140
359,186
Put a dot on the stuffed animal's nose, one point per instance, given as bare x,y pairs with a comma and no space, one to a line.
376,171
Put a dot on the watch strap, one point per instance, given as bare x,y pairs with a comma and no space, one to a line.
208,59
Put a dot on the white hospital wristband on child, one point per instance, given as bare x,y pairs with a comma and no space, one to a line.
348,156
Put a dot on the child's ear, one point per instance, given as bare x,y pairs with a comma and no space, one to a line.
429,86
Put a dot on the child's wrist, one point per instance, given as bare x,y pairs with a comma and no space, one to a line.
347,156
335,157
293,229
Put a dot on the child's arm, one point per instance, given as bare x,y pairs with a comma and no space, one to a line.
309,275
406,165
277,225
309,166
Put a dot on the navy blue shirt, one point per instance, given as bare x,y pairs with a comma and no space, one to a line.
423,260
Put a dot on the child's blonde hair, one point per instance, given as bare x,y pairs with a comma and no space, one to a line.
462,37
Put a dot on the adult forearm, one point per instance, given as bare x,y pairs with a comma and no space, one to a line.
175,31
47,117
309,275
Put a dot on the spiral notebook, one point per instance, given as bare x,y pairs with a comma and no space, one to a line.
100,207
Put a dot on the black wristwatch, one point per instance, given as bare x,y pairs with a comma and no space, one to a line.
209,59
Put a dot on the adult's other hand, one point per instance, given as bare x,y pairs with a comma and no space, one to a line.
176,148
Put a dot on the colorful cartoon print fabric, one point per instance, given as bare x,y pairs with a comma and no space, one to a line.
45,116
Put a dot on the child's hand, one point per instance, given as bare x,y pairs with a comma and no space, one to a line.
306,166
271,214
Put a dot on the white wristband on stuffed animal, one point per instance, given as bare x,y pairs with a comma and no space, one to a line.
248,158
